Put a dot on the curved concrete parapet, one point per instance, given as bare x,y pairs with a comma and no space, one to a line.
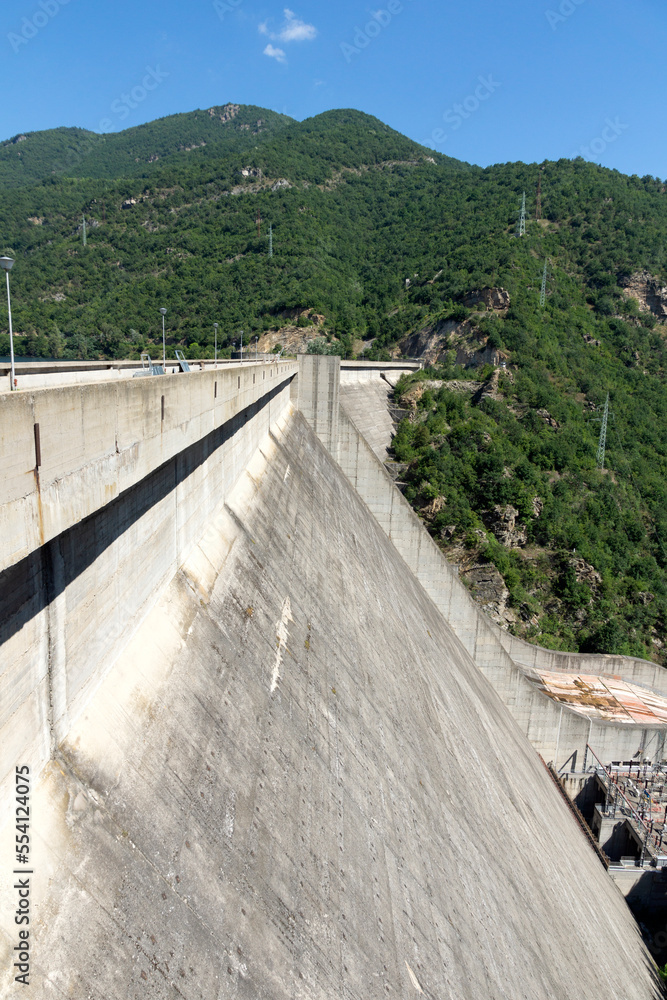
630,668
295,783
510,663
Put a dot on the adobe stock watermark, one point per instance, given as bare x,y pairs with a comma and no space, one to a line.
223,7
31,26
565,9
596,147
120,107
363,37
456,115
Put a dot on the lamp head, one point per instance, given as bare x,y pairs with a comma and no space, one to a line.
6,263
163,311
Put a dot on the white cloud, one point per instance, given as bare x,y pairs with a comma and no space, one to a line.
274,53
293,29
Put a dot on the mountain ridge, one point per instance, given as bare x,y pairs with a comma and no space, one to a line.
377,239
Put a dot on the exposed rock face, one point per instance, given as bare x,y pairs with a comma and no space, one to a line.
430,344
489,590
491,298
280,184
431,509
433,343
547,418
647,291
585,573
474,359
505,528
293,338
226,113
416,391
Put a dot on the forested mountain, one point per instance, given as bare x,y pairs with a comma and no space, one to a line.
179,139
385,241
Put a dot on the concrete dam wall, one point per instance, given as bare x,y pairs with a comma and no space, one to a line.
512,665
290,779
105,489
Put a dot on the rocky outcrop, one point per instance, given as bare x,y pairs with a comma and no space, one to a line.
433,344
432,508
489,590
294,339
411,397
503,524
226,113
585,573
647,291
548,419
477,359
430,344
497,299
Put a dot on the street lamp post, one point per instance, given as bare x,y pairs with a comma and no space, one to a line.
163,313
6,263
241,343
256,339
215,329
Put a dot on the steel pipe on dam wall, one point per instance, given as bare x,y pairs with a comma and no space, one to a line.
292,780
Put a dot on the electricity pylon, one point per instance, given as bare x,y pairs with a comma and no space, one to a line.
521,230
603,435
543,291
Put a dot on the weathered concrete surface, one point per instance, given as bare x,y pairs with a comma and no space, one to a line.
131,494
95,441
296,783
366,404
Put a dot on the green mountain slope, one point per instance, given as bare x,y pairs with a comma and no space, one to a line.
385,241
177,139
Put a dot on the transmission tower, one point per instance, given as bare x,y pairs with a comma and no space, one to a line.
603,435
543,291
84,230
271,240
521,230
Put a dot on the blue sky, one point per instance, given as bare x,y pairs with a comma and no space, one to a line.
485,81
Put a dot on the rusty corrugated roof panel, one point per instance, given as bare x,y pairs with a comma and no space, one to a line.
608,698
